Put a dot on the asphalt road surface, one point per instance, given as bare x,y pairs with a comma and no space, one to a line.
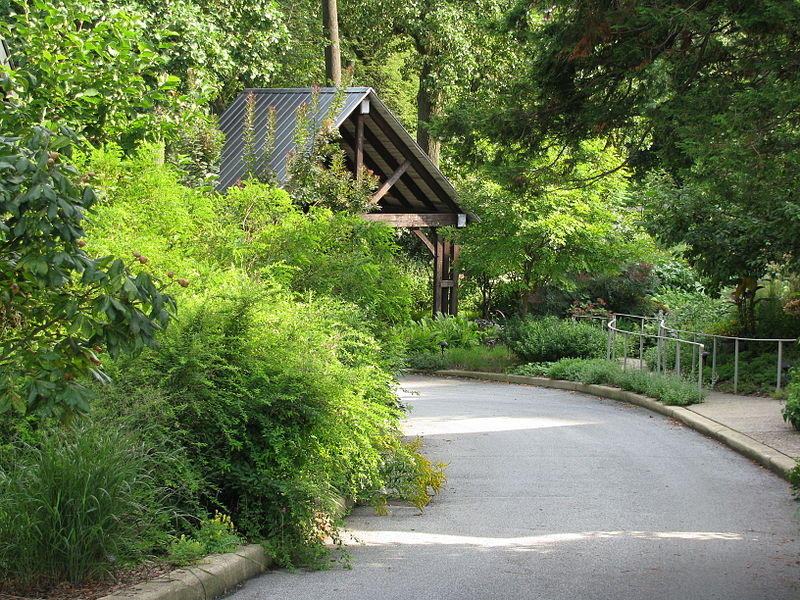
555,495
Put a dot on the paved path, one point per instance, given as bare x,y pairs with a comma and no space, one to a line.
555,495
755,416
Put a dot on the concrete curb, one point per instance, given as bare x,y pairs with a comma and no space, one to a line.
775,461
217,575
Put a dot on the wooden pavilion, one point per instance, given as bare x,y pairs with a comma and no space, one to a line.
413,193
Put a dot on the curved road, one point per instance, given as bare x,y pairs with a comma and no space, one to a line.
554,495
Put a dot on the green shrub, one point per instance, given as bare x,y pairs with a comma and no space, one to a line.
791,412
409,476
283,406
214,536
76,502
428,361
540,369
794,479
494,359
551,339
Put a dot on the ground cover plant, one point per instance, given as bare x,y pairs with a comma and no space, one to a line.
668,389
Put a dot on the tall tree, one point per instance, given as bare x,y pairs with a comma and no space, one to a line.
708,91
447,42
531,237
333,53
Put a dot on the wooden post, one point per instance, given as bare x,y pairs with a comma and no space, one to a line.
359,149
454,275
445,273
438,272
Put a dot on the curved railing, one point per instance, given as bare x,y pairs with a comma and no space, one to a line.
665,335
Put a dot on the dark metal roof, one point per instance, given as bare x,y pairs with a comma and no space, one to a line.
421,189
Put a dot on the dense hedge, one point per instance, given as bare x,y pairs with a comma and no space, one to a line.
550,339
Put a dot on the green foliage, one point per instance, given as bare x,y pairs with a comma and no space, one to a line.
283,406
535,369
220,47
59,307
534,236
213,536
705,94
410,477
426,334
76,502
494,359
196,149
794,479
668,389
426,361
693,311
115,76
317,170
791,412
550,339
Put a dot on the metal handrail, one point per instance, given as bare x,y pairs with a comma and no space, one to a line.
736,339
676,334
660,338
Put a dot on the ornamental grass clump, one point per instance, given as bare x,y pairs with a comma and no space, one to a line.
75,504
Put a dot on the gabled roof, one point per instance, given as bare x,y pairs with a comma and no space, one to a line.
387,146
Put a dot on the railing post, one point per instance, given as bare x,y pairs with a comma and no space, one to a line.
736,366
714,361
641,347
677,356
700,364
780,370
624,351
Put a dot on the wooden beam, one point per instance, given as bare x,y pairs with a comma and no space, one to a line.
387,158
378,119
428,244
455,276
369,161
387,185
413,219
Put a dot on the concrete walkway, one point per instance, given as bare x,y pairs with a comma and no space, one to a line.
756,417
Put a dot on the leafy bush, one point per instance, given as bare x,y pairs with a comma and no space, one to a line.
540,369
794,479
76,502
283,406
411,477
551,339
757,369
426,361
694,311
214,536
791,412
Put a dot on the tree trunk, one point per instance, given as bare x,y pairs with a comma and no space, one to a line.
333,55
429,104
